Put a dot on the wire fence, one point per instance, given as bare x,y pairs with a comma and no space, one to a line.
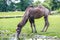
16,16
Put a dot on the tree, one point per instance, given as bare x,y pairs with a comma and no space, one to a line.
47,4
13,6
25,3
52,4
36,3
3,5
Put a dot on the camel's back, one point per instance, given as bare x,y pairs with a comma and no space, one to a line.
37,12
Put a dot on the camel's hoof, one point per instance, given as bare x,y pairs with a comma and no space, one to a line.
35,31
42,31
45,31
32,32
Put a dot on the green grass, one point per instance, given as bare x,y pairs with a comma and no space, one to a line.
11,13
10,24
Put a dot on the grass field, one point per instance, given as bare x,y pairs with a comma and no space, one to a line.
10,24
11,13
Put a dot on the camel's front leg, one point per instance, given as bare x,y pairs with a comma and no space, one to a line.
31,20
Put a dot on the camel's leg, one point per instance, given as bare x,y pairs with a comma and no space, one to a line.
43,28
46,23
31,24
34,27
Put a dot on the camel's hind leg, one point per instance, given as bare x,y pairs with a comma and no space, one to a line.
46,24
31,19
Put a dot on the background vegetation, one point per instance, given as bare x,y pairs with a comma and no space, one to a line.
23,4
8,25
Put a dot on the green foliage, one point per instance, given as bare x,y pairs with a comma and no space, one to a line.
11,7
25,3
36,3
10,24
3,5
14,6
47,4
52,4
